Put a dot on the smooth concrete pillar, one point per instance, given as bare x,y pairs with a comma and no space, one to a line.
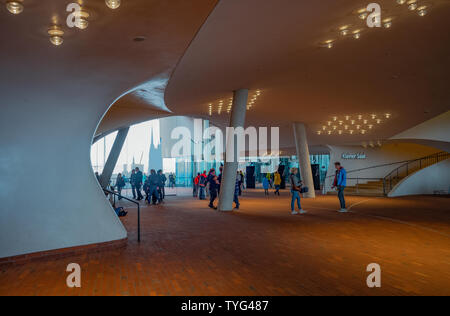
301,142
230,168
113,157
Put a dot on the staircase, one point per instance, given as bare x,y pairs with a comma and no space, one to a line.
382,187
371,188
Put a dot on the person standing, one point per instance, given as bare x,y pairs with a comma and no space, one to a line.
153,183
213,188
133,183
340,183
219,178
266,186
242,177
120,184
237,189
202,181
277,182
196,185
162,187
296,187
139,177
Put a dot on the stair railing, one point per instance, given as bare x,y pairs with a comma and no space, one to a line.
410,167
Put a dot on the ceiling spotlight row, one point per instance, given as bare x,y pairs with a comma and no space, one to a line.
413,5
352,125
220,105
372,144
55,32
356,33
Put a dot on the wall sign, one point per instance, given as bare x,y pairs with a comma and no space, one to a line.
358,156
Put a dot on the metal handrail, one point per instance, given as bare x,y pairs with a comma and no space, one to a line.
423,163
132,201
374,167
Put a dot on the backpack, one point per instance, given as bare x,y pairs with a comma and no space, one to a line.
120,212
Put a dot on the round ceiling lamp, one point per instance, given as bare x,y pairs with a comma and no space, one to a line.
328,44
422,11
387,23
357,34
81,19
362,14
56,35
15,7
344,30
412,5
113,4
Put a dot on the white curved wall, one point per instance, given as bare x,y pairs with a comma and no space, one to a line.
51,101
49,197
426,181
434,132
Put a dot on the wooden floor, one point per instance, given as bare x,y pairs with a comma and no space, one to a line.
188,249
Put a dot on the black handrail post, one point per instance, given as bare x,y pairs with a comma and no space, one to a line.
139,223
132,201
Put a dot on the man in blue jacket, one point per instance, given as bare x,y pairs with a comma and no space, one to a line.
340,182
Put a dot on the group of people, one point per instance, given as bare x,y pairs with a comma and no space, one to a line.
297,188
153,186
210,184
268,181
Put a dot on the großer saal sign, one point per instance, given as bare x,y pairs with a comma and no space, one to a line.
358,156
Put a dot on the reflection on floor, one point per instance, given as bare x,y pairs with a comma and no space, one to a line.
188,249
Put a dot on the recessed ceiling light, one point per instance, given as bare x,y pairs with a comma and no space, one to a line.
327,44
422,11
362,14
15,7
56,35
412,5
344,30
387,23
401,1
81,19
113,4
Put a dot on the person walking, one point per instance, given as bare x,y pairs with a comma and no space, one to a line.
269,177
219,178
120,184
266,186
213,188
296,185
277,182
340,183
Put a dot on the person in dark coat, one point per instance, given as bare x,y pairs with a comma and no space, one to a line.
139,177
120,184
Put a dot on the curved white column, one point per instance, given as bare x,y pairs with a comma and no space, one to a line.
230,167
301,142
